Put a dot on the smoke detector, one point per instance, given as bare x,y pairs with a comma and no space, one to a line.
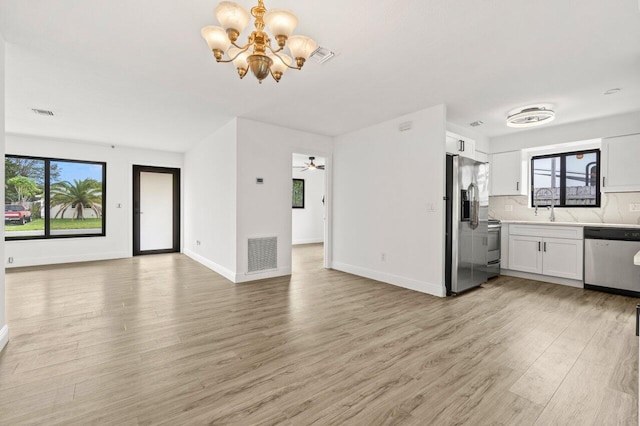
530,116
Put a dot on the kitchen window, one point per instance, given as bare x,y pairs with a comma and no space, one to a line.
53,198
569,179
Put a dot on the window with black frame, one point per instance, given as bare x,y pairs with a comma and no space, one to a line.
53,198
297,201
570,179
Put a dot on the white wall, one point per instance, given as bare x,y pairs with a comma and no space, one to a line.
388,198
4,330
308,223
265,151
210,201
616,125
118,241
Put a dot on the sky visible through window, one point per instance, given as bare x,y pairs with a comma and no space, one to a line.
78,171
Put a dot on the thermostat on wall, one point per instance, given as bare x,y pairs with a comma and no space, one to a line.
259,180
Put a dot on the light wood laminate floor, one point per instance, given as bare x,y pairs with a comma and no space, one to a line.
163,340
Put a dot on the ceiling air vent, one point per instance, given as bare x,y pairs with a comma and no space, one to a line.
42,112
322,55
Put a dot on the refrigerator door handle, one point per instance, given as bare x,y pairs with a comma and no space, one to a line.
474,205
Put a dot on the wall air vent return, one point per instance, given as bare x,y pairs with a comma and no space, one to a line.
322,55
263,254
42,112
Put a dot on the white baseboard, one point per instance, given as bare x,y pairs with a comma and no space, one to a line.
244,277
409,283
227,273
4,337
308,241
543,278
54,260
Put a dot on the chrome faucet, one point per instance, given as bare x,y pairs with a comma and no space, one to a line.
552,216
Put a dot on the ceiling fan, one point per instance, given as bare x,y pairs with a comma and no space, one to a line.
310,165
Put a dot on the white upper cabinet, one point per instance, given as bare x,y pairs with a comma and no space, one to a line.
459,145
508,174
620,159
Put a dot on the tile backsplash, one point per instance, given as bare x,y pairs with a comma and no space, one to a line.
615,208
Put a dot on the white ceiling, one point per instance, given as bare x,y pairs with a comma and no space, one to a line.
138,73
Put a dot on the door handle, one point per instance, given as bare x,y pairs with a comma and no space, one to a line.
539,246
545,246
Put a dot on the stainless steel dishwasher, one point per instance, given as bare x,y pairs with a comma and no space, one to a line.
608,260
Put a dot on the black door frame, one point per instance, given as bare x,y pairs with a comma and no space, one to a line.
137,169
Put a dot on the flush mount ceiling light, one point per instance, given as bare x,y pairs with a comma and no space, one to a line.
530,117
258,55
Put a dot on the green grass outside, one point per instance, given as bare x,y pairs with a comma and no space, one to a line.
38,225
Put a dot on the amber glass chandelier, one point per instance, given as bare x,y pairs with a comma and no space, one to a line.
258,55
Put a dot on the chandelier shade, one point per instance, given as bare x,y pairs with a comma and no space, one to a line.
281,63
281,23
259,54
232,16
216,38
239,59
301,47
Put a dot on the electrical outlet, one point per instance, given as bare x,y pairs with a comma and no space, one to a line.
383,257
10,260
508,208
634,207
198,242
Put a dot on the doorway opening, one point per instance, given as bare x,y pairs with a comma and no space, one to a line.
156,210
308,211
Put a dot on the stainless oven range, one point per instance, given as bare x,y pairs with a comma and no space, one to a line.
493,248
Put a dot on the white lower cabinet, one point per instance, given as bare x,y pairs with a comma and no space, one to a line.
557,257
525,254
562,258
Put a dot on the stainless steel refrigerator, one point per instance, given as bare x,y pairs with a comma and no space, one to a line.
467,210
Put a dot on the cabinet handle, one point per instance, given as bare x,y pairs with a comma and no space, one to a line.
604,180
539,246
517,186
545,246
461,145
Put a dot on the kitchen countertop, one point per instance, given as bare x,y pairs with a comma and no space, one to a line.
600,225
